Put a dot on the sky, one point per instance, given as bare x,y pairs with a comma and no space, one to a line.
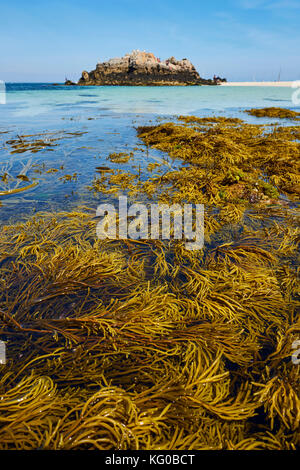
46,41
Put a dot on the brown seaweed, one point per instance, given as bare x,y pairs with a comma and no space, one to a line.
273,112
124,344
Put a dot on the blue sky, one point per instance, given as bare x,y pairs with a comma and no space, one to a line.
238,39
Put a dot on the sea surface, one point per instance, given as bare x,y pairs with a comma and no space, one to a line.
80,126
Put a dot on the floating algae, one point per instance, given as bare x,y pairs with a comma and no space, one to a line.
6,179
8,192
66,178
274,112
34,143
14,171
121,157
123,344
24,143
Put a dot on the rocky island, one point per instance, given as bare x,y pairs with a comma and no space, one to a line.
142,68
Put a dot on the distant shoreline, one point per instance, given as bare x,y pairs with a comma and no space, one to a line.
286,84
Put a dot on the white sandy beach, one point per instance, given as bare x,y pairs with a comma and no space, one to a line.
286,84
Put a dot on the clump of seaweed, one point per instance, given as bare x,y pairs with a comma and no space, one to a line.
229,165
273,112
121,157
235,163
66,178
210,119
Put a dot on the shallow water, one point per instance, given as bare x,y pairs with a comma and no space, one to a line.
42,99
104,120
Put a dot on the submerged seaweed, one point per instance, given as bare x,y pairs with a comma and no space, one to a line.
140,344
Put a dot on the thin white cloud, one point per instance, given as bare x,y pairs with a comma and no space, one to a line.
268,5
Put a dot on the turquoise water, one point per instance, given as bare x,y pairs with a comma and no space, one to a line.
25,100
89,123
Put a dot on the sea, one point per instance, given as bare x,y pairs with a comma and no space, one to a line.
77,128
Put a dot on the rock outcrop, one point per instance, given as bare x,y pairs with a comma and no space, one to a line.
143,68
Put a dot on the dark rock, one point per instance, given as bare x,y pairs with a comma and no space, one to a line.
218,80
